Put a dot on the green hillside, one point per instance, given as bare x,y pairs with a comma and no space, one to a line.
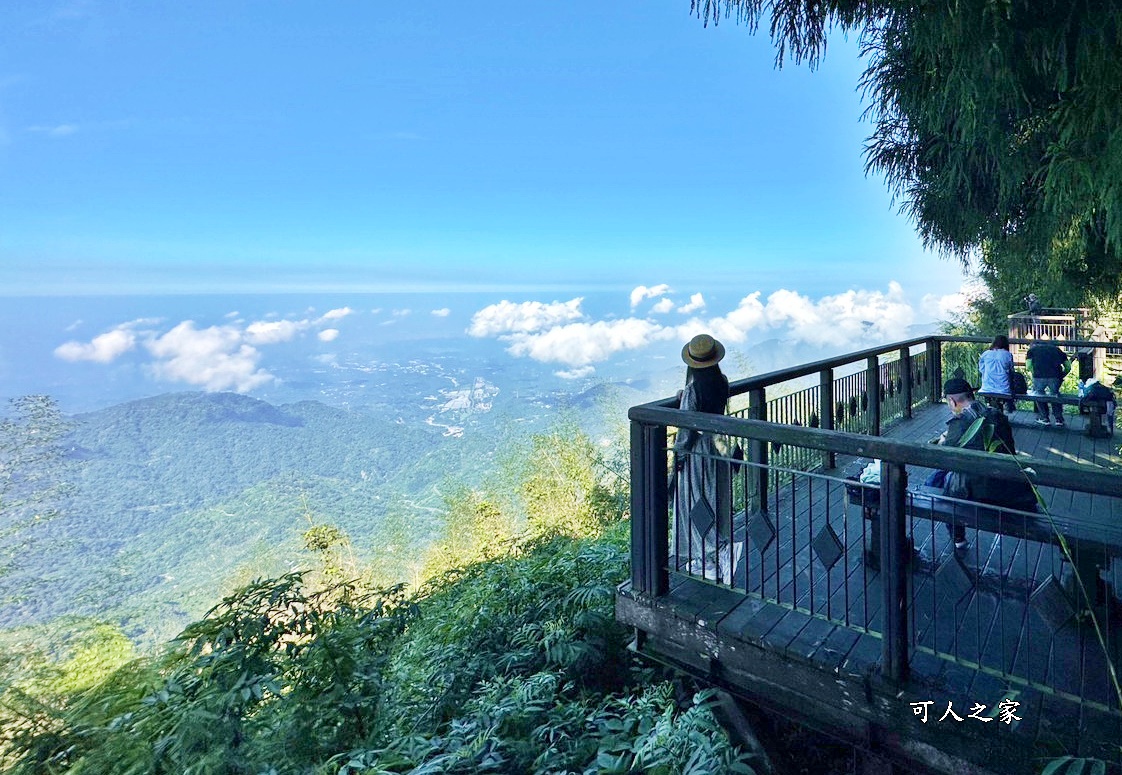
507,659
181,496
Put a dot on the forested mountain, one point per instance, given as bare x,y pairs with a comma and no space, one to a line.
507,658
180,496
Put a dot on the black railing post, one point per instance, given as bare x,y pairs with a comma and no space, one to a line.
906,380
872,390
935,370
895,551
757,450
649,522
826,411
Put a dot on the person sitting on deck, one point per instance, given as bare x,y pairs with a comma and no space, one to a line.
1094,390
1049,366
996,429
996,368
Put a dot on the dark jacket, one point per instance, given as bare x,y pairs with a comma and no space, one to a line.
1047,360
1014,494
1098,392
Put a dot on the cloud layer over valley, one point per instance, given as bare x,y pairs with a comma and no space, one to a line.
570,336
562,333
216,357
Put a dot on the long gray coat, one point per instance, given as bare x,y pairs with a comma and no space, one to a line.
701,541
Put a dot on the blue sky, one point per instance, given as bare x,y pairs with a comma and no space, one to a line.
172,147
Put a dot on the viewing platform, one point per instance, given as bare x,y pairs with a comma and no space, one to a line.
846,606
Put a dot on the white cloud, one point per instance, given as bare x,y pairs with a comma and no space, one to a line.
102,349
734,326
336,314
400,313
696,302
582,344
441,313
274,331
853,319
213,358
577,373
507,317
222,357
643,292
952,305
845,319
662,306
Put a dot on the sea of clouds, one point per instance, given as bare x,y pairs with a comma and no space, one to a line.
233,354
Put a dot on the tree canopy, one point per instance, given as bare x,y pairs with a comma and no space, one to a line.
997,125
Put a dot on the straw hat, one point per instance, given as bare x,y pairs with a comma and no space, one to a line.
703,351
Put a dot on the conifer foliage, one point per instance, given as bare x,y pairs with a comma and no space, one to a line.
998,125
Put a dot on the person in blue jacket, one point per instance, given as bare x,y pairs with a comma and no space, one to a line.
996,369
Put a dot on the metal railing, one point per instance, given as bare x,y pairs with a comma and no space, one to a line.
1049,323
786,530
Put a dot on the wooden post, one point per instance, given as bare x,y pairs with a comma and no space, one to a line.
872,391
757,451
906,380
649,505
826,411
935,370
895,551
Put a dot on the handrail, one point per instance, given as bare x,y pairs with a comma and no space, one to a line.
782,375
919,378
747,384
1068,476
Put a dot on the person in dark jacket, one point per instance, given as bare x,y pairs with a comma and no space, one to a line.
1049,365
984,489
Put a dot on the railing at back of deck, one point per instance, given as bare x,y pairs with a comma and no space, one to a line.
859,393
1048,324
797,546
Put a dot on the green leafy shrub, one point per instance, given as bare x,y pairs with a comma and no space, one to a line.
272,674
513,665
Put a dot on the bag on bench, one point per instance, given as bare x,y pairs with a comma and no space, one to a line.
1018,383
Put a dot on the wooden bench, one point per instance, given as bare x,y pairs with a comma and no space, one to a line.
1100,414
1089,548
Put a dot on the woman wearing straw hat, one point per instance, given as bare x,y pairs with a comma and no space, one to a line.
702,488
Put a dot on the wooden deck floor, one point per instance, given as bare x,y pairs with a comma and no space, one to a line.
999,623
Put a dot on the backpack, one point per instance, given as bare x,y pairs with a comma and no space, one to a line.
1018,383
1097,392
992,432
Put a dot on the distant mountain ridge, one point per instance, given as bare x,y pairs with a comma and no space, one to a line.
205,408
197,448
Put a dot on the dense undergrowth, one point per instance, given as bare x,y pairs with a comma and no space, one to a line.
512,665
507,659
